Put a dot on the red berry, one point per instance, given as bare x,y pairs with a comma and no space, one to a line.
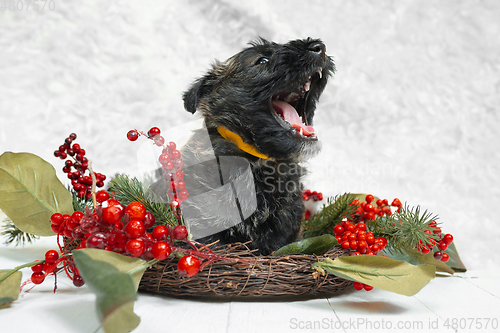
382,242
353,244
38,268
358,285
159,140
188,265
113,212
164,159
448,239
78,281
369,198
361,226
442,246
153,131
362,246
56,219
445,257
101,196
175,154
77,216
160,232
375,247
338,230
135,228
183,195
180,232
97,241
135,210
161,250
132,135
51,256
149,220
171,146
438,255
370,239
425,250
135,247
396,203
55,228
367,287
379,202
345,244
37,278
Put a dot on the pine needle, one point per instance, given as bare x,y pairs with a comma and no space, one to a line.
330,215
13,233
127,190
405,231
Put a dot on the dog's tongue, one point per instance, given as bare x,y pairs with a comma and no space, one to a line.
291,116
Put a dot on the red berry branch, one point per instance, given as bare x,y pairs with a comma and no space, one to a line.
77,167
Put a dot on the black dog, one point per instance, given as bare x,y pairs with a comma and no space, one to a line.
244,176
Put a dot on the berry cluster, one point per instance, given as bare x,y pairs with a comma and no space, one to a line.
355,237
308,195
124,230
442,244
77,167
358,286
171,162
314,195
50,265
366,211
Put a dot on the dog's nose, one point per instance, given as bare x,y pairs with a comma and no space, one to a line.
318,48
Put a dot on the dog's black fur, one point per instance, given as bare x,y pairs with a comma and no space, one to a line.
237,94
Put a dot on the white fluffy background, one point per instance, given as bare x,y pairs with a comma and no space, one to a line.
413,111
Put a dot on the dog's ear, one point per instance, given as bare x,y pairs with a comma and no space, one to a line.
191,96
203,86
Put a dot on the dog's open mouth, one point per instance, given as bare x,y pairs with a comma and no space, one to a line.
289,108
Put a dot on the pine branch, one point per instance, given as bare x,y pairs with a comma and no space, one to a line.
330,215
405,231
128,189
80,203
13,233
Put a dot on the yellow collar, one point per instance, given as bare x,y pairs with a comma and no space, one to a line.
246,147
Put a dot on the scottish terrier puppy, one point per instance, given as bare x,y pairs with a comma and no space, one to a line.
243,170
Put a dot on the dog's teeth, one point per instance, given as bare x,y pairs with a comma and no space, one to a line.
307,86
301,131
320,73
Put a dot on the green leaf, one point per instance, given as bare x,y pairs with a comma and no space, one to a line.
380,272
416,258
314,245
114,279
30,192
9,288
455,262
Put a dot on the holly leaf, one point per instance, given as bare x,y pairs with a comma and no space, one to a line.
9,288
114,279
315,245
30,192
380,272
416,258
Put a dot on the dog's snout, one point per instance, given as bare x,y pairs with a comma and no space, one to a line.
318,48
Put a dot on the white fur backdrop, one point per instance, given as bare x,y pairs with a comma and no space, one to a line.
413,111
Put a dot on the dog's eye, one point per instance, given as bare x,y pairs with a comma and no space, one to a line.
262,60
